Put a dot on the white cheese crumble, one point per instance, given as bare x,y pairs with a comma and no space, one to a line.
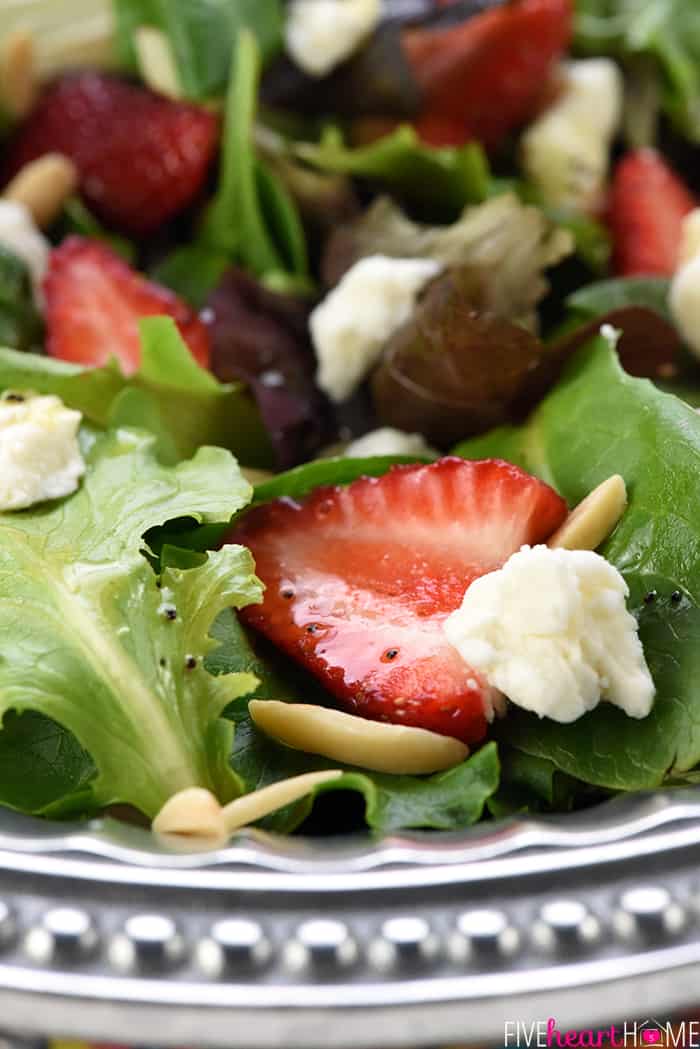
20,235
39,454
320,34
551,631
388,441
566,152
684,294
349,328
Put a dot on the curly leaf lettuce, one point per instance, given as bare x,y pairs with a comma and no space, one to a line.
94,641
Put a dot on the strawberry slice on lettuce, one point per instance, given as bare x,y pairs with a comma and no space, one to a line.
94,302
360,579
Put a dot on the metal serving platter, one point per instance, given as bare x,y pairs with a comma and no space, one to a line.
409,941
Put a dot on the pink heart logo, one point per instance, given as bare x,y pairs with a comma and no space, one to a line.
651,1035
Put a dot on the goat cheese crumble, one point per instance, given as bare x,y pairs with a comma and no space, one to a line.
551,631
389,441
320,34
566,151
684,294
350,327
39,454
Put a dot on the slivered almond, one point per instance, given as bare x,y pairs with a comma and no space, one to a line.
374,745
252,807
43,186
196,814
157,61
192,813
18,82
593,519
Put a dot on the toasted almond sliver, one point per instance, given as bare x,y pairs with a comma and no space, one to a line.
593,519
252,807
192,813
43,186
344,737
157,61
18,82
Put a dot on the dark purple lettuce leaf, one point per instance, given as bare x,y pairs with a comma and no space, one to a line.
456,368
376,79
649,345
261,337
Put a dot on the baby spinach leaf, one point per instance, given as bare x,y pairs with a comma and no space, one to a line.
665,33
169,395
192,271
251,219
594,300
77,218
201,34
110,646
599,421
20,324
42,765
303,479
438,181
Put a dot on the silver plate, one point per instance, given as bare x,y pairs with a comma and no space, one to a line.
413,940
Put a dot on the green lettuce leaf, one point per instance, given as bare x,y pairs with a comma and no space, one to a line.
201,34
663,35
533,784
438,181
43,768
599,421
107,650
251,219
170,395
301,480
76,218
20,324
594,300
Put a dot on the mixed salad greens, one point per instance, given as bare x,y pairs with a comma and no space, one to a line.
259,254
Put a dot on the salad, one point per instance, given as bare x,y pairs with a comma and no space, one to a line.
349,457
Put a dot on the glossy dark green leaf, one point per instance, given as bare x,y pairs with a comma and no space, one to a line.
303,479
20,323
599,421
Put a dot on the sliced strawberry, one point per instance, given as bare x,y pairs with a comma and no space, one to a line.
646,208
94,302
489,72
142,158
359,581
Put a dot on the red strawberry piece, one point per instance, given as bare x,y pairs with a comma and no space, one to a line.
142,158
93,304
646,208
489,72
359,581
